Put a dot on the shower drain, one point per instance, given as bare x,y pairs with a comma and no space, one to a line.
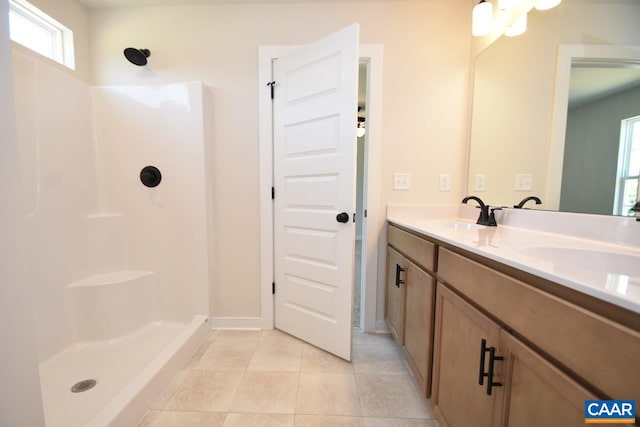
83,385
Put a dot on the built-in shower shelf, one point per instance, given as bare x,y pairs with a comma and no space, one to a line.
111,305
116,277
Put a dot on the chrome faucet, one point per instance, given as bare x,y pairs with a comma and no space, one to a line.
525,200
485,218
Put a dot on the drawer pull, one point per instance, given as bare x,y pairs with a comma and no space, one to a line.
489,374
398,271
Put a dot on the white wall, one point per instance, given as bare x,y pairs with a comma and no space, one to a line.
20,401
426,48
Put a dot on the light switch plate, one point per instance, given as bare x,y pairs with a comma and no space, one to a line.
401,181
480,182
524,181
445,182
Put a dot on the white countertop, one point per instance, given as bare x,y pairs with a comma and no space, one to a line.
605,270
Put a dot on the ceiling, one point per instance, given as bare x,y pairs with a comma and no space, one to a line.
590,83
97,4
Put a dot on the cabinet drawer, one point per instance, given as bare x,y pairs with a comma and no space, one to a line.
603,353
418,250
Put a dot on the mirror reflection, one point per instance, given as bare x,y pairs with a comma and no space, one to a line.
523,110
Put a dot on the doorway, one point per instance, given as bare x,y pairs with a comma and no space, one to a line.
360,273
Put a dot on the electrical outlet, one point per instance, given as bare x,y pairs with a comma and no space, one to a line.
480,182
524,182
445,182
401,181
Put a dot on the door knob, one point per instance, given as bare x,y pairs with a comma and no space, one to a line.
342,217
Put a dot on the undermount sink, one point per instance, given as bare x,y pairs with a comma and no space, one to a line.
592,260
450,225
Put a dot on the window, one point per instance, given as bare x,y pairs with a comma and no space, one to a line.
628,166
31,27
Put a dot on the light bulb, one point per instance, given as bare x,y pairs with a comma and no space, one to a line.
546,4
518,27
482,18
507,4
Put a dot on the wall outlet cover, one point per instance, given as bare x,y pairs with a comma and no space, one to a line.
524,181
401,181
445,182
480,182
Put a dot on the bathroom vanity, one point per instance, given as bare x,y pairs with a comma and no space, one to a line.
498,335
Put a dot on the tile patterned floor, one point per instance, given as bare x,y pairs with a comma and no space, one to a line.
270,379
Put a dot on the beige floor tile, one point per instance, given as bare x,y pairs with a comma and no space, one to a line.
317,360
328,420
391,396
328,394
275,335
227,356
360,338
171,389
237,336
376,359
148,419
397,422
267,392
189,419
206,391
276,357
258,420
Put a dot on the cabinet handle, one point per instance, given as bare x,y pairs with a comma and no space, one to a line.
483,350
489,374
398,271
492,359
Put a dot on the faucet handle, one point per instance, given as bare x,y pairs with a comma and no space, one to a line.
492,216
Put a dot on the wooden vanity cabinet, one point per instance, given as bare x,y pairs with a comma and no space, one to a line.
528,392
458,398
410,300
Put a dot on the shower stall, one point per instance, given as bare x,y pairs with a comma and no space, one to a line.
119,271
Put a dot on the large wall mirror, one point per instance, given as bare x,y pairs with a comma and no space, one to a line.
549,106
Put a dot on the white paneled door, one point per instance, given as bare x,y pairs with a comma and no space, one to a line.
315,116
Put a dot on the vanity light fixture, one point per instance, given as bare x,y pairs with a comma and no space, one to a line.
508,4
517,28
546,4
482,18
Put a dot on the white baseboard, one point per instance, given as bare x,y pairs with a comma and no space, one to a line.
238,323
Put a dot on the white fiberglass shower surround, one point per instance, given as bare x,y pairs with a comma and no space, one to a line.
118,271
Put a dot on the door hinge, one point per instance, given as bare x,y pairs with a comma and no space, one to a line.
273,287
365,213
271,85
273,193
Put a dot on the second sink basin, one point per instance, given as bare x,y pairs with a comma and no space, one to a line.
592,260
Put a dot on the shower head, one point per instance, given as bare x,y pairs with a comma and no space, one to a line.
137,56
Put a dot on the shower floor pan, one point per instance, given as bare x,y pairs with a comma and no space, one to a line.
130,373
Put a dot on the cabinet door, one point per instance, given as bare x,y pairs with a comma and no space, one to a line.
538,394
418,323
395,293
459,400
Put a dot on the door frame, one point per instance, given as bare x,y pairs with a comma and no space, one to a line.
372,54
